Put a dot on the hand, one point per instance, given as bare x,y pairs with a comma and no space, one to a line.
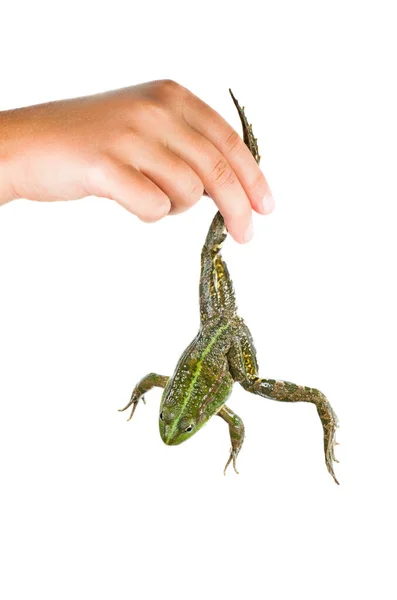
153,148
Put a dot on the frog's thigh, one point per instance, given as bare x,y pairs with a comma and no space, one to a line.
236,431
209,301
209,304
243,364
244,369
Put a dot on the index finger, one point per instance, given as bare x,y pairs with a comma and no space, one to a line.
204,119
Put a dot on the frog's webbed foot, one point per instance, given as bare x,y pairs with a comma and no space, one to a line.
330,423
136,396
232,457
330,458
333,451
236,430
145,384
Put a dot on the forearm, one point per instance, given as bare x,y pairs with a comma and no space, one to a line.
8,134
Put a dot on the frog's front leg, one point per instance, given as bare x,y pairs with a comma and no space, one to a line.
236,430
146,383
243,367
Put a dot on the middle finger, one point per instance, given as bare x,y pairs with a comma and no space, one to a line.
218,179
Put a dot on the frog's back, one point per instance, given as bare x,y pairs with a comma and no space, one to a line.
204,358
201,376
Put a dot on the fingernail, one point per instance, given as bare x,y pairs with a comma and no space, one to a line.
267,203
249,233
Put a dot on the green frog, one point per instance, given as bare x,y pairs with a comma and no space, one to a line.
221,354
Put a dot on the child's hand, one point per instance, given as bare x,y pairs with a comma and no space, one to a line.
153,148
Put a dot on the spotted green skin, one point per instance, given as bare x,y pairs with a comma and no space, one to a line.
222,353
200,385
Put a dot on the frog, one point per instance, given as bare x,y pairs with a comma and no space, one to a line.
221,354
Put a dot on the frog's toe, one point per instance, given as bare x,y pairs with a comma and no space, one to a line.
132,411
135,397
232,457
333,452
330,458
331,471
134,405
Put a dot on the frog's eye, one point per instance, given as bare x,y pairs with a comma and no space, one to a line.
161,416
189,428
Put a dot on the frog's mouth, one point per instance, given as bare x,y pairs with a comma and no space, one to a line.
168,437
171,436
173,442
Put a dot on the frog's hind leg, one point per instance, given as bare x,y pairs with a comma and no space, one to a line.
208,293
216,288
249,138
236,430
145,384
226,295
244,369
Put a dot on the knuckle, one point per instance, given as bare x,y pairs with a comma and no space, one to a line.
187,193
166,96
197,190
170,85
152,109
167,90
193,193
222,174
234,143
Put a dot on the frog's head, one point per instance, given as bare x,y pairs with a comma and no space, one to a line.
176,428
189,401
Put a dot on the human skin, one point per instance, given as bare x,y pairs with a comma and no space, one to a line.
154,148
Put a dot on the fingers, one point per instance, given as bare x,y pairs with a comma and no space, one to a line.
219,179
172,147
130,188
169,172
211,125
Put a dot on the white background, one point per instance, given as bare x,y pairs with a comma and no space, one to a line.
91,299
